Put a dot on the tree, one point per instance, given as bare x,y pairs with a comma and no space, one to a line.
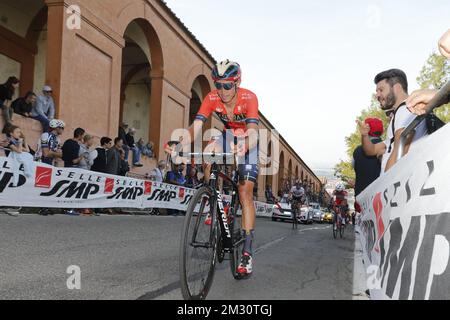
434,74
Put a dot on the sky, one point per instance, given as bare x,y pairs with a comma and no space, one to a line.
312,63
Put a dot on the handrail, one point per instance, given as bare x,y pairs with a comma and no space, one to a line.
439,99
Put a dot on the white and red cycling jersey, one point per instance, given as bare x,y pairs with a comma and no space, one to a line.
340,198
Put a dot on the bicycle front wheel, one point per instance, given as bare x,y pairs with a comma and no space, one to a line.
198,246
335,227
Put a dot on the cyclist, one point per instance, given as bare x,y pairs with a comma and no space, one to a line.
49,148
297,194
340,202
237,108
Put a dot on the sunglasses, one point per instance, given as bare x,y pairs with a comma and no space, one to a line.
227,86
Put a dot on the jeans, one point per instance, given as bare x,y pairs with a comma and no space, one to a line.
126,149
44,122
7,113
136,155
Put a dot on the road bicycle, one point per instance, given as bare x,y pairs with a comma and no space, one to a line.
338,226
211,232
295,213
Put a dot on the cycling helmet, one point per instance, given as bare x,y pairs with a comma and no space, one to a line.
55,124
227,70
340,187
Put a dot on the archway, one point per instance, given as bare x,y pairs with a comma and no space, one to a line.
140,94
23,49
200,88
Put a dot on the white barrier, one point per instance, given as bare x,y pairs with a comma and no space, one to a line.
51,187
405,224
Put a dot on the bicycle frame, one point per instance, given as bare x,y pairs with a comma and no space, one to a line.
227,237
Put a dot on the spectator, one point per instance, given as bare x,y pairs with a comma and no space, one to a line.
113,157
49,148
392,92
25,105
44,110
147,149
123,135
158,173
269,194
7,91
176,177
72,158
124,167
71,149
192,180
20,156
367,168
87,159
100,163
88,155
133,147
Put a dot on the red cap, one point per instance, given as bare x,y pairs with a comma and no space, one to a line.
376,127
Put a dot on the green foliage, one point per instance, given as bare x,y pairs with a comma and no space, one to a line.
435,73
344,171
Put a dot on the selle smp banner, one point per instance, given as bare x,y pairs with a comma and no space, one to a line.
405,224
51,187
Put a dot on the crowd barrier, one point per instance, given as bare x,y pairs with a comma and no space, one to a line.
34,184
405,224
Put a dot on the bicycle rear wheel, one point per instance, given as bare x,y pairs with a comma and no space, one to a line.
198,246
341,230
238,240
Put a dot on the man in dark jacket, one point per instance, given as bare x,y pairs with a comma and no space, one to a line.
24,106
101,162
123,135
113,157
367,169
133,147
71,149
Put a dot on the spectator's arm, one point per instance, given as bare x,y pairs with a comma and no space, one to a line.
39,109
46,152
18,149
444,44
51,111
393,157
370,149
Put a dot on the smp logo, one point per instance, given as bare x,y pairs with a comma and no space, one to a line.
43,178
147,187
109,186
181,193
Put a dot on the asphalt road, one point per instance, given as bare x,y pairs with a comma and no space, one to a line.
136,257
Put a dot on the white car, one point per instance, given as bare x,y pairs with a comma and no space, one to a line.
306,215
282,211
318,214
